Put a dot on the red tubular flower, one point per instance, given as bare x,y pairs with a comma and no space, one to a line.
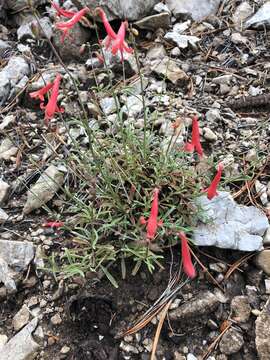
111,35
212,190
62,12
65,27
186,258
53,224
195,143
116,40
119,43
39,94
152,223
51,108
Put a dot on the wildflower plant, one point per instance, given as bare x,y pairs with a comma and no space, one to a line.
133,198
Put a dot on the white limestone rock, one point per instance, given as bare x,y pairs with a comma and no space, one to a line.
225,224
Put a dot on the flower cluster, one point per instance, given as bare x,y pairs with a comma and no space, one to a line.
153,222
195,143
65,27
115,42
53,89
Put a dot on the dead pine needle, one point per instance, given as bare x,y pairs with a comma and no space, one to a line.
159,327
216,341
206,270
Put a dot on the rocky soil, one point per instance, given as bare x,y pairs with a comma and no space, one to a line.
205,57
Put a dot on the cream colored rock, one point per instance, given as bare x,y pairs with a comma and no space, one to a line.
121,9
262,331
4,187
44,189
168,68
7,149
22,346
263,261
21,318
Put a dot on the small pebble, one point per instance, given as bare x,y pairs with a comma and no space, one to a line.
56,319
65,349
267,286
208,134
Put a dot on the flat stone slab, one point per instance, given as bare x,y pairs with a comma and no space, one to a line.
22,346
225,224
15,256
198,9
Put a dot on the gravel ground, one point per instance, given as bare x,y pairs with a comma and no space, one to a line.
217,68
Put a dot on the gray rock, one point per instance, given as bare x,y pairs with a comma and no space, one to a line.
108,105
93,109
261,191
181,27
11,74
198,9
232,341
242,12
3,216
223,80
266,239
209,135
7,149
240,309
21,318
9,119
237,38
213,115
157,51
182,41
18,5
15,256
44,189
267,286
175,52
161,7
168,68
191,357
93,63
70,50
203,303
121,9
4,46
65,349
251,155
177,37
255,91
261,18
56,319
33,30
154,22
262,331
21,346
133,106
3,340
226,224
47,76
4,188
7,276
263,261
128,348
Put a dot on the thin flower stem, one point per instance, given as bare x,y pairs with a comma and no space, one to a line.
85,120
143,97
